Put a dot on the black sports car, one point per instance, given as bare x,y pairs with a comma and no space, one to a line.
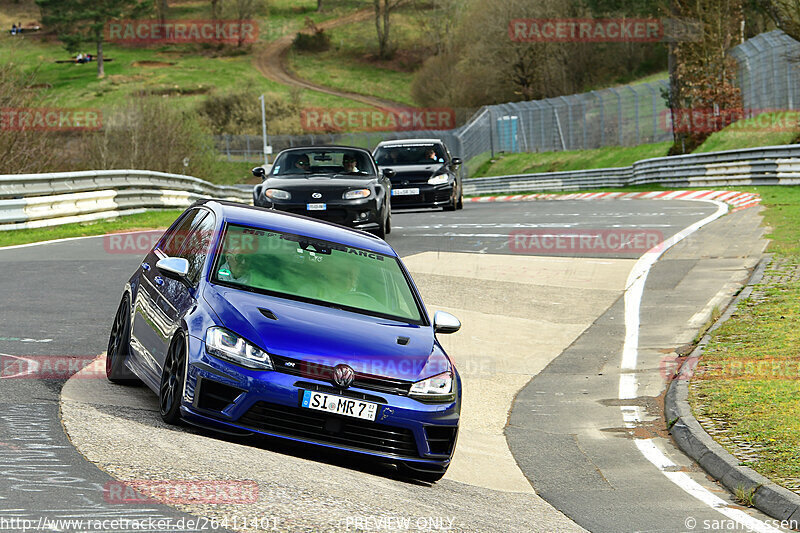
425,175
339,184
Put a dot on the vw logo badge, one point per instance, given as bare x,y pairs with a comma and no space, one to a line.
343,376
316,195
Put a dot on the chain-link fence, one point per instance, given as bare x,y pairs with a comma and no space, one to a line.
769,74
250,147
627,115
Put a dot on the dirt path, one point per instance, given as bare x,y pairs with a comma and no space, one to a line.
271,62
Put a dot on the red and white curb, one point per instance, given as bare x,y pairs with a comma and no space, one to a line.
736,199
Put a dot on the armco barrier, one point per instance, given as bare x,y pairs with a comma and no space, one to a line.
770,165
38,200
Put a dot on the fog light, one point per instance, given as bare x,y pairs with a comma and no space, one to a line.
363,215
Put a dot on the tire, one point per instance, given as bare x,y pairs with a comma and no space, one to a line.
389,223
171,390
460,203
452,206
420,475
384,229
119,346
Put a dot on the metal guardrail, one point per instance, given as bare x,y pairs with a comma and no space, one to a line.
39,200
770,165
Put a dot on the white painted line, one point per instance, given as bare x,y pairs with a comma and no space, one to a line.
23,339
628,380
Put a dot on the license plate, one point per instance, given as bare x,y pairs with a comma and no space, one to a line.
316,207
405,192
339,405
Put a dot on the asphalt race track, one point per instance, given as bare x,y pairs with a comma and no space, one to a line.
543,444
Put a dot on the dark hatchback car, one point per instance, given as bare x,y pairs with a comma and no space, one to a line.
251,321
338,184
425,174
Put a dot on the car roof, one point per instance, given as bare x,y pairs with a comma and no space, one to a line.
410,141
248,215
324,147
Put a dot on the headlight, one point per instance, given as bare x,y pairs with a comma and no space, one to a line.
439,179
277,194
227,345
358,193
437,388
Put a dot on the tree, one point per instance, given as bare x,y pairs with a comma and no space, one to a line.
702,75
215,9
81,21
786,14
243,10
383,12
24,150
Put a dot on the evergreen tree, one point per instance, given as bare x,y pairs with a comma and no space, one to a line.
82,21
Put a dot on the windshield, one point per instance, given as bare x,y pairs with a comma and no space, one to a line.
317,271
410,154
300,163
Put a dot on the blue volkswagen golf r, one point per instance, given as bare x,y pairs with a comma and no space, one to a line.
252,321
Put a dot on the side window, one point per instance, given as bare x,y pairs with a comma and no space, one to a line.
172,241
196,248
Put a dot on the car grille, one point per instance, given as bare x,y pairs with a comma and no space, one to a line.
411,177
319,372
330,429
335,215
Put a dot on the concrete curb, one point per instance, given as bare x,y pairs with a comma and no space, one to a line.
736,199
768,497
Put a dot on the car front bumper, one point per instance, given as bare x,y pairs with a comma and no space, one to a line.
231,398
360,214
429,195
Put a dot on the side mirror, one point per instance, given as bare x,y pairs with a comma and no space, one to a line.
174,267
445,323
259,172
455,161
389,173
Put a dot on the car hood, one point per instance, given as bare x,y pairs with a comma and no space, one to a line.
413,173
327,336
319,181
414,169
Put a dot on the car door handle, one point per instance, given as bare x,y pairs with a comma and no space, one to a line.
159,280
146,267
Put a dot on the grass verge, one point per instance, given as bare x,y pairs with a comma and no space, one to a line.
748,380
351,63
607,157
766,129
153,219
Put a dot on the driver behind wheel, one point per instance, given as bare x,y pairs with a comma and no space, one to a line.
349,163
